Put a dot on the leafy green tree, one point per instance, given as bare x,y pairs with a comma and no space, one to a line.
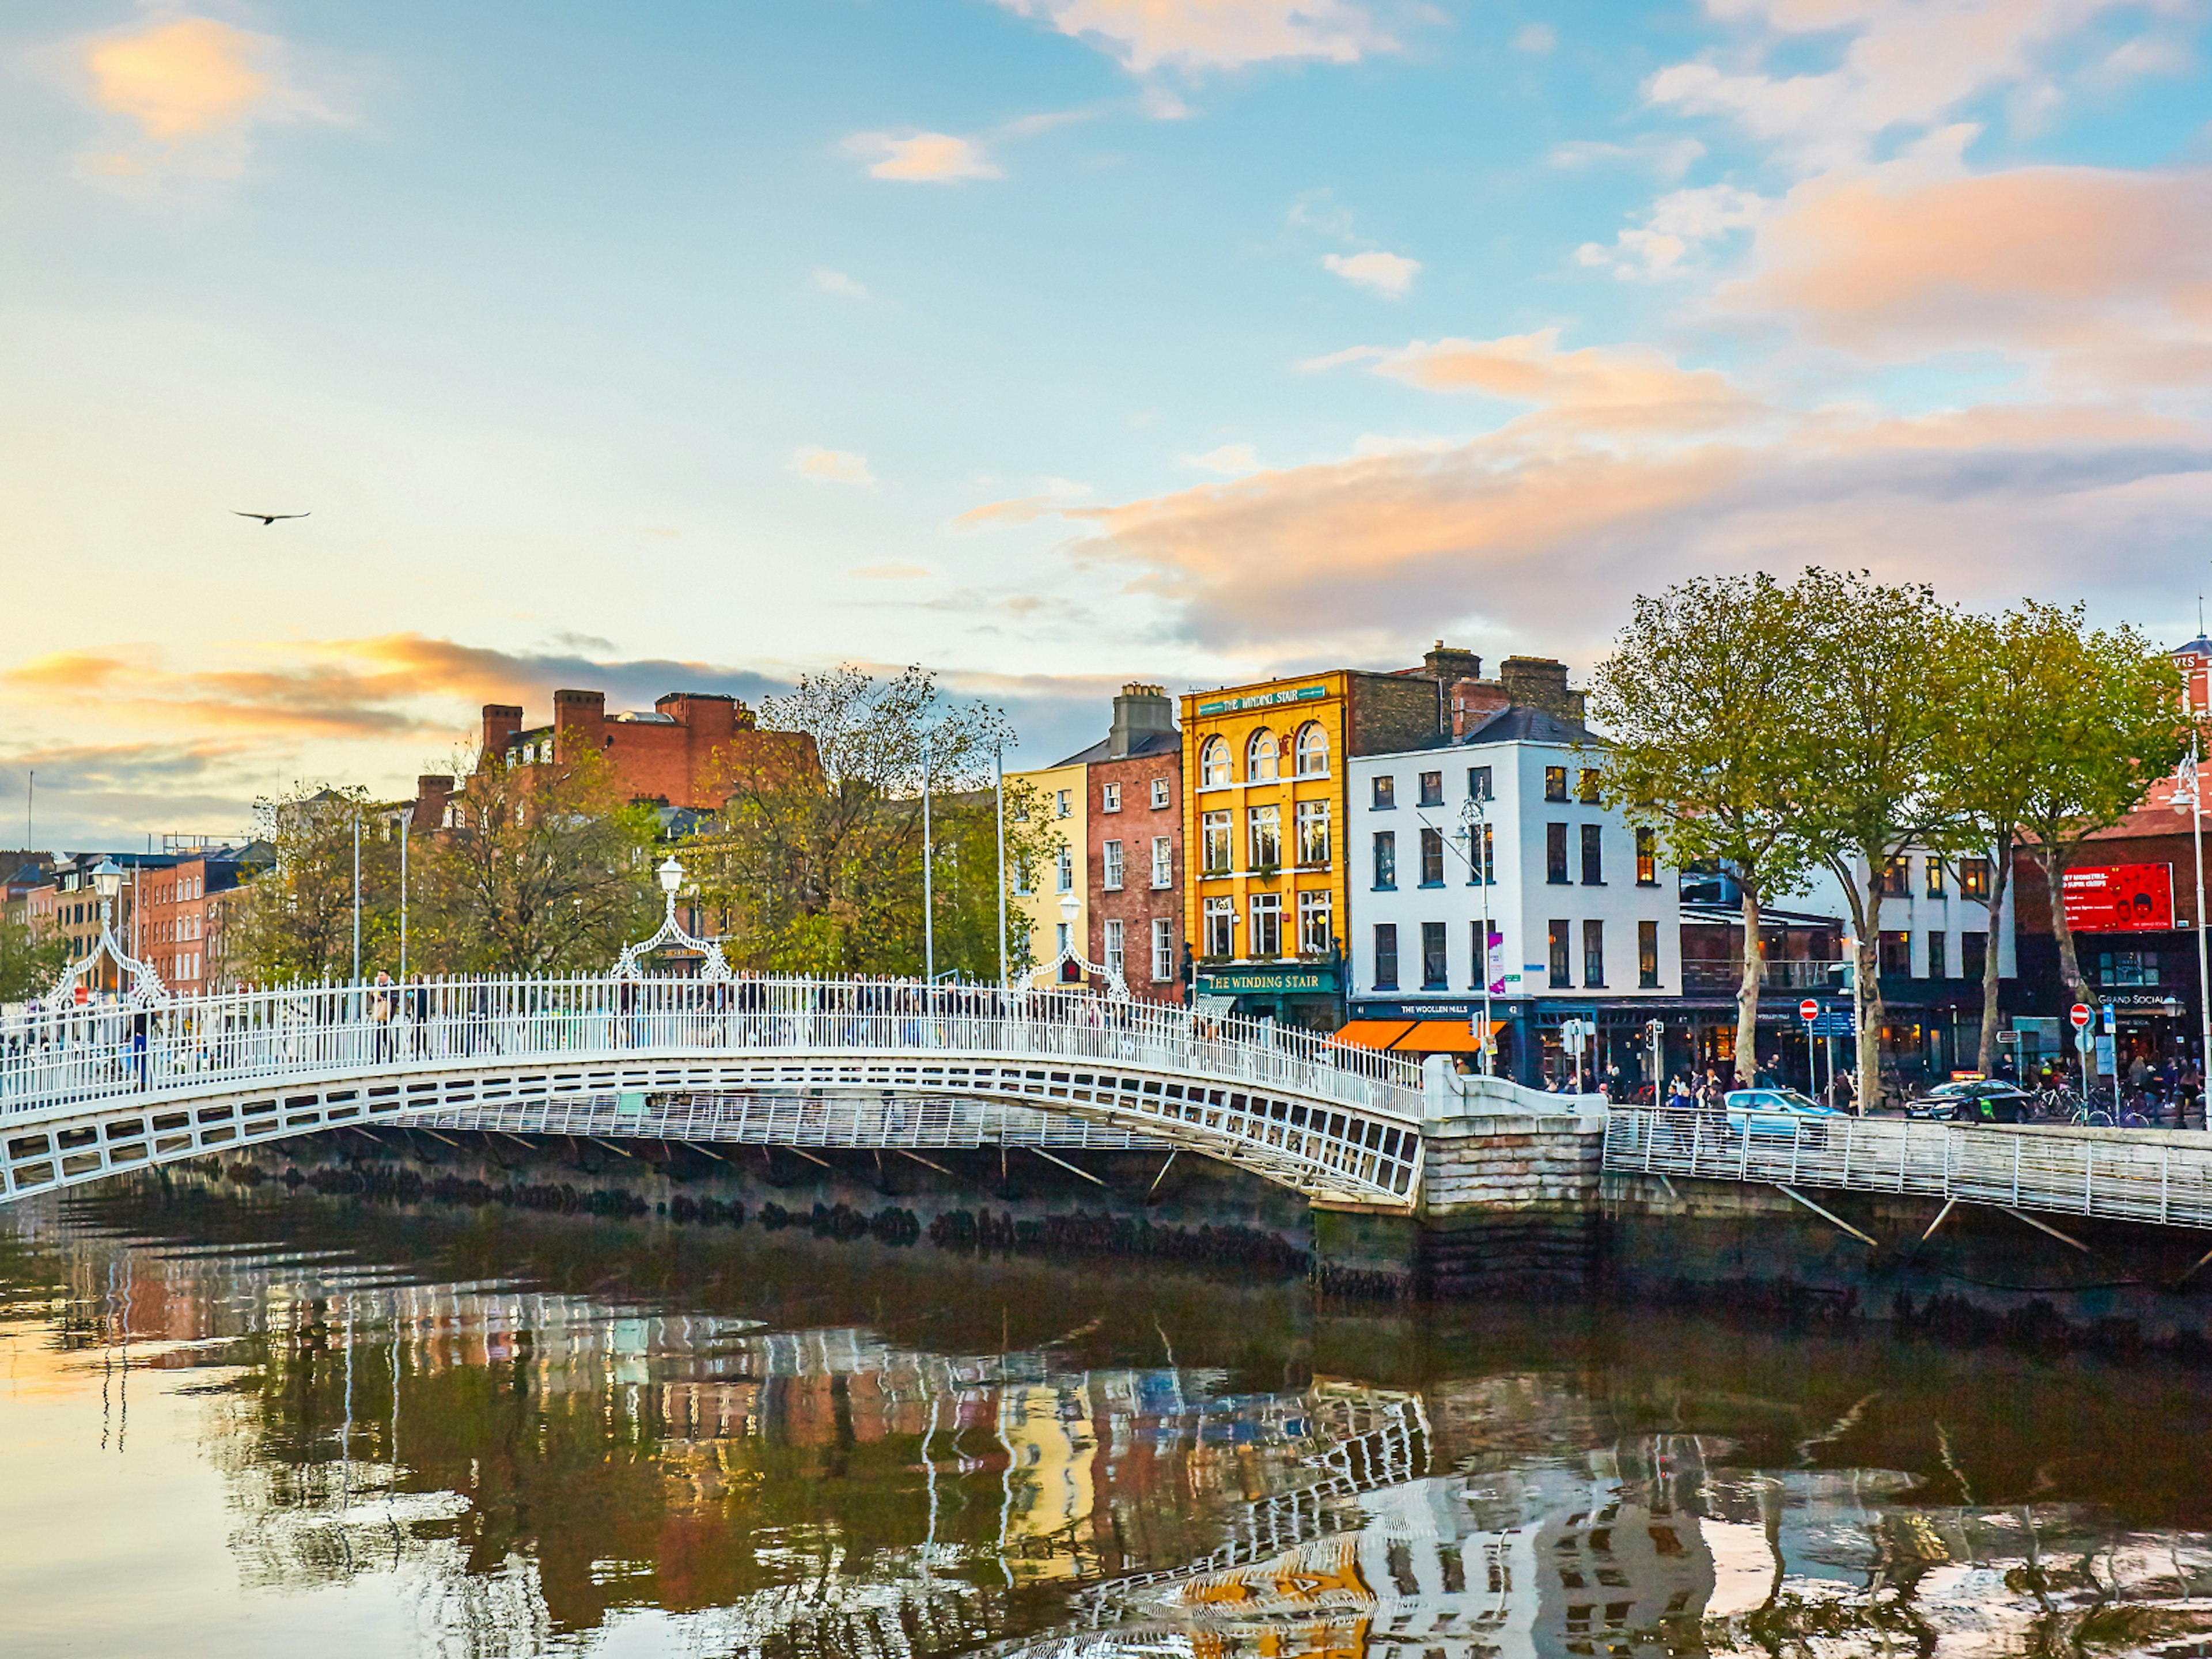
295,922
27,964
542,869
819,869
1880,661
1700,703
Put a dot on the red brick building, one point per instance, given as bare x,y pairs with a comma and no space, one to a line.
682,754
1133,794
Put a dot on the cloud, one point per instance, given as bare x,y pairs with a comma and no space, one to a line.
192,90
1676,228
837,282
1535,38
1231,458
1193,35
892,573
1390,275
922,157
2107,272
1053,494
1670,158
830,466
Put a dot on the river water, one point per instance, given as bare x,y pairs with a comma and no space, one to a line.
233,1428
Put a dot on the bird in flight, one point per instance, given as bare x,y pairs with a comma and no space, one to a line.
268,518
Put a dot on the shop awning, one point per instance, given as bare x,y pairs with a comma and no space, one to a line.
1440,1037
1374,1033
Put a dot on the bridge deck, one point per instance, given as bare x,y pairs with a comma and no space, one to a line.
2124,1175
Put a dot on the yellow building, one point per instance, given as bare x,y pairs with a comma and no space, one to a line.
1041,897
1264,810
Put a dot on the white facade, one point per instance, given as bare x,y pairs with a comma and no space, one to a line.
1580,917
1934,915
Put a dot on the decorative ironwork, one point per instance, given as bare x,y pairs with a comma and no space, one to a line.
630,965
146,989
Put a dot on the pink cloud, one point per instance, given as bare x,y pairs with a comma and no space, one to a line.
1195,34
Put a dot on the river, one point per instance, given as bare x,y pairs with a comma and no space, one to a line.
233,1427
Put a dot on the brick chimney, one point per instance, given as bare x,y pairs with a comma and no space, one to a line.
1447,665
501,721
1138,713
1540,682
432,790
709,716
1473,702
580,721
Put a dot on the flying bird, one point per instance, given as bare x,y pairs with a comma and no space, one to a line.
268,518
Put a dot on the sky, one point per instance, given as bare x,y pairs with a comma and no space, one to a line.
1052,343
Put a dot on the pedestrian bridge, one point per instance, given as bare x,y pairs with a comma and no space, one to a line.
86,1090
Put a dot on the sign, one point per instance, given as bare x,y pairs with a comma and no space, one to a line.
2078,1015
2120,898
1808,1011
1261,700
2105,1067
1267,982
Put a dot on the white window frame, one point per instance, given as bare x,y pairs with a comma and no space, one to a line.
1109,798
1160,797
1163,948
1264,825
1065,872
1115,956
1163,861
1063,803
1266,927
1220,927
1263,757
1316,921
1214,767
1219,823
1313,812
1113,866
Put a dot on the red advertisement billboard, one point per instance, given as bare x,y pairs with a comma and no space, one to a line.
2120,898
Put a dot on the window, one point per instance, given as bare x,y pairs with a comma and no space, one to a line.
1067,871
1594,953
1213,764
1115,957
1063,803
1894,954
1897,879
1260,758
1593,855
1316,924
1386,861
1109,798
1935,878
1586,787
1436,965
1267,830
1267,934
1163,948
1555,783
1973,955
1647,955
1313,832
1478,784
1163,861
1024,878
2127,967
1113,867
1386,956
1935,953
1432,857
1159,793
1220,924
1647,858
1386,793
1555,854
1213,829
1313,750
1482,861
1064,947
1557,957
1974,879
1432,789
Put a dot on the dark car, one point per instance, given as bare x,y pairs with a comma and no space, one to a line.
1973,1102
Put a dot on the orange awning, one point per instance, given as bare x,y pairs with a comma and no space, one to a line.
1439,1036
1374,1033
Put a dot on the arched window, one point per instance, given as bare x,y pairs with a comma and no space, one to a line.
1260,758
1213,764
1313,750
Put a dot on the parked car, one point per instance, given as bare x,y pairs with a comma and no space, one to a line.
1772,1111
1983,1102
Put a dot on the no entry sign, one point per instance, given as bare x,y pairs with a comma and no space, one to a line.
1808,1011
2080,1016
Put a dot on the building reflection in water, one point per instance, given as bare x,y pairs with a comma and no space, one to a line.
531,1469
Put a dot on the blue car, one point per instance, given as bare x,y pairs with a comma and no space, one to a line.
1772,1111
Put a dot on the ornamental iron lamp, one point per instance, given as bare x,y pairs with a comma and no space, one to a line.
145,989
631,964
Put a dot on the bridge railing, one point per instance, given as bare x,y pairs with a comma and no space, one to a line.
53,1060
2136,1177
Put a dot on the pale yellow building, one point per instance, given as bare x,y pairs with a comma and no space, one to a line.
1051,899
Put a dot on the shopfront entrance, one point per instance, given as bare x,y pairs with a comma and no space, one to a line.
1303,994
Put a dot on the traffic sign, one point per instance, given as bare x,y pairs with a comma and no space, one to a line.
1808,1011
2080,1016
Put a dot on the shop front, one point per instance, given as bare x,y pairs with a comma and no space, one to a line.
1305,994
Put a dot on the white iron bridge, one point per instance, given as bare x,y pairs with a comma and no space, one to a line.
86,1090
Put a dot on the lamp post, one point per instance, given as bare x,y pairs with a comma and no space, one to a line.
998,795
2189,798
928,890
1474,816
357,897
107,882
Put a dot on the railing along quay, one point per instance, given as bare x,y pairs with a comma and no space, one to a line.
68,1059
2115,1175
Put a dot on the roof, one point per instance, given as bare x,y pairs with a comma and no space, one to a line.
1149,742
1522,722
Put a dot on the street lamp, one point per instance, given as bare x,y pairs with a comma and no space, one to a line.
107,882
672,877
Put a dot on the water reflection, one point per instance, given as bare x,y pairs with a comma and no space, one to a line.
261,1431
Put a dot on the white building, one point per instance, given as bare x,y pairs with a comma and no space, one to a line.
1585,921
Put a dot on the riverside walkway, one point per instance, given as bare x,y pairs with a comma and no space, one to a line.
88,1090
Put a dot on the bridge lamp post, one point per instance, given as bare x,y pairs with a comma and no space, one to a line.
107,882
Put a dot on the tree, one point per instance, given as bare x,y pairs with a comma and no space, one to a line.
296,921
1878,663
819,869
1699,703
28,965
542,869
